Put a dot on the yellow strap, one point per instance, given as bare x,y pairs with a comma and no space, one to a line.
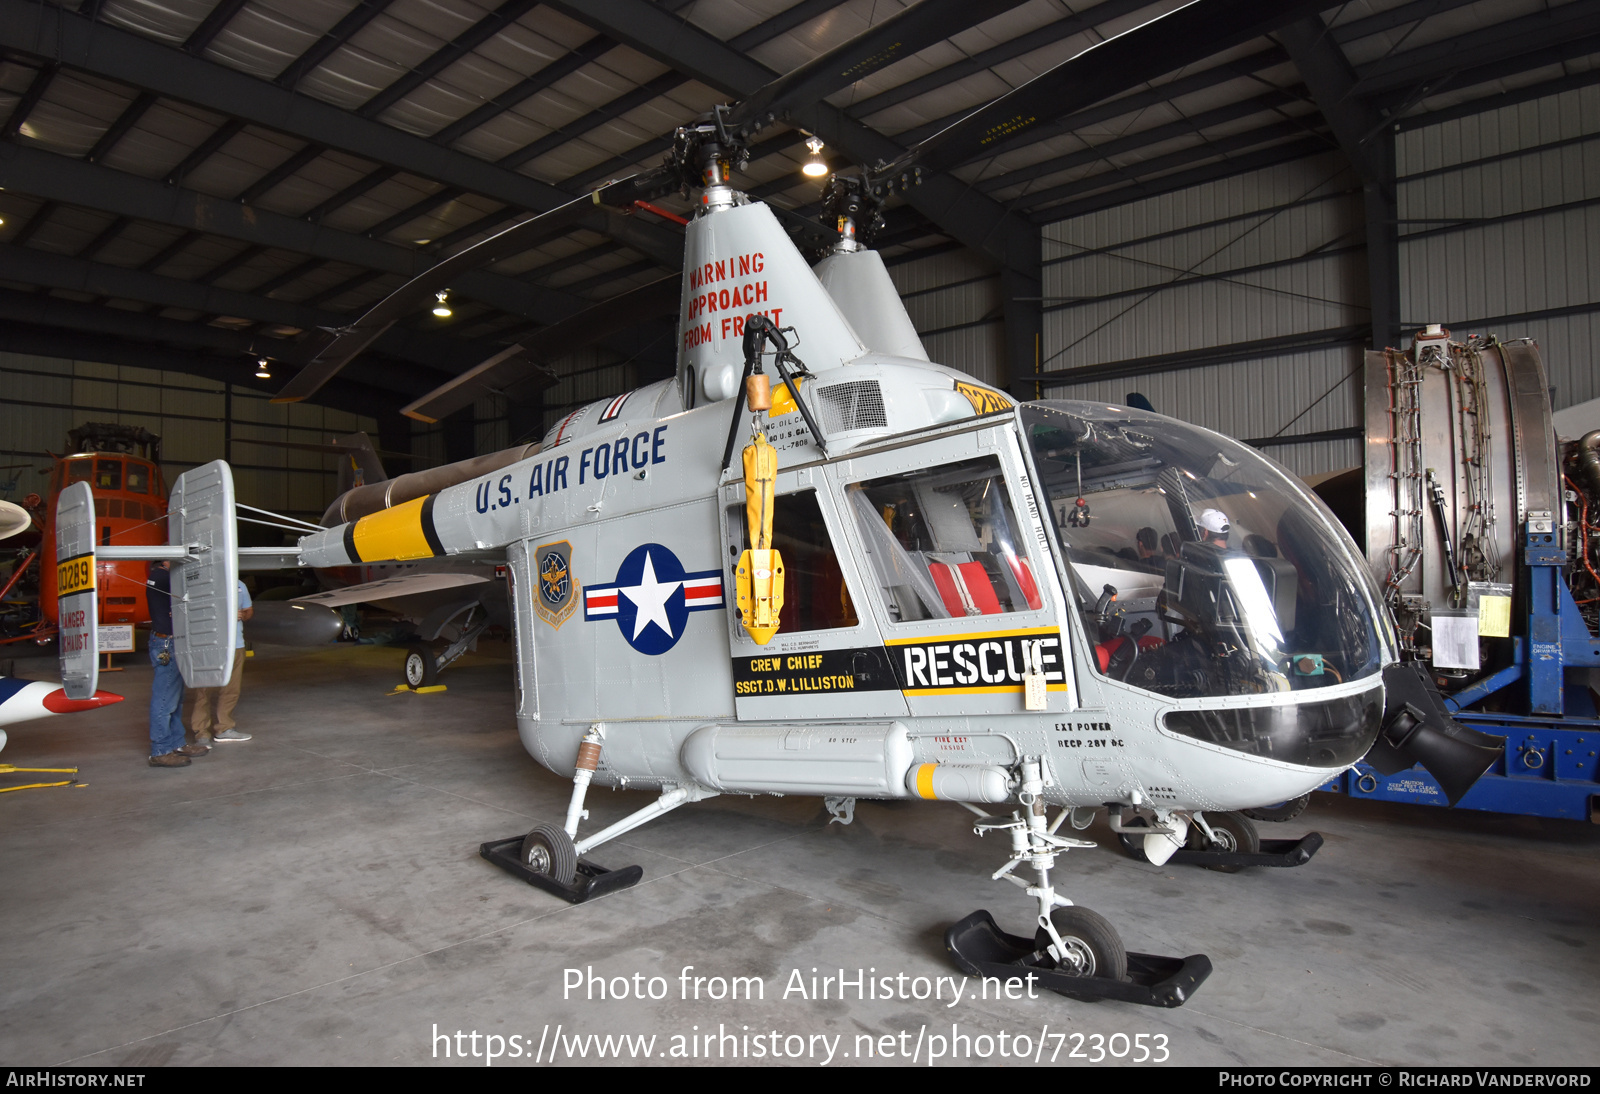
33,786
760,477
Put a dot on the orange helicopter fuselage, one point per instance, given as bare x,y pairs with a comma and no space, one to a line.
130,509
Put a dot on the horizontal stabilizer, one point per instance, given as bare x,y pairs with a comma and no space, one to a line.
23,700
389,588
253,559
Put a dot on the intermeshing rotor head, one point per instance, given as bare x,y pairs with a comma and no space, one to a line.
853,208
706,153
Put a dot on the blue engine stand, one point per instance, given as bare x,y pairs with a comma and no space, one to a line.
1551,766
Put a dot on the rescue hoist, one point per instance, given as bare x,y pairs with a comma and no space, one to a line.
759,575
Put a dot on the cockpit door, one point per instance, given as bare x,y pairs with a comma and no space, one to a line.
828,660
957,572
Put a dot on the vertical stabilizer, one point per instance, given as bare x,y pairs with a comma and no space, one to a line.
205,587
859,284
78,610
359,464
737,261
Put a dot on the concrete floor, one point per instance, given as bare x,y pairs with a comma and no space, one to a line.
315,897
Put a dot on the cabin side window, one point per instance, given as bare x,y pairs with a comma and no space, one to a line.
941,542
138,478
79,471
815,596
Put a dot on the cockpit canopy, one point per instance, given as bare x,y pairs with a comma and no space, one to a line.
1271,597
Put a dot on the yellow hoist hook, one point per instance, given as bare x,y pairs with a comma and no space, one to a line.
760,572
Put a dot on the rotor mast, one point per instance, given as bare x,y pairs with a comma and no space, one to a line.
708,154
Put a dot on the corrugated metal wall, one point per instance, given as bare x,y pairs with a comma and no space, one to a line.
46,396
1500,233
1257,400
954,302
586,375
492,429
1500,217
1274,254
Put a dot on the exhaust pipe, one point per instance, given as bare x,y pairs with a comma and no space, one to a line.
1418,729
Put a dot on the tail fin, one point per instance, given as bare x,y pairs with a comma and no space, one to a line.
359,463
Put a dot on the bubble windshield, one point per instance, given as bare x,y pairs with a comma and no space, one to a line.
1200,568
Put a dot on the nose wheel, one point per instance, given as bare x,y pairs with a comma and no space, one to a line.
1224,842
1230,833
1283,811
1073,951
1092,945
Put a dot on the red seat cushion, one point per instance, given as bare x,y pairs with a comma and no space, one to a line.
1104,650
945,581
1024,576
980,588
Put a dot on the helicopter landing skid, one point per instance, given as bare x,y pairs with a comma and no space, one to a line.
590,881
1274,852
980,948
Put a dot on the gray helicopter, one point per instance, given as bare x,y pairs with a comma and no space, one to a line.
867,575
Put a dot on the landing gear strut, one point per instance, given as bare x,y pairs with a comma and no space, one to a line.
1074,951
553,859
1225,842
423,666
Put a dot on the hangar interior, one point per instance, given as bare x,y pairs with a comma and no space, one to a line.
192,193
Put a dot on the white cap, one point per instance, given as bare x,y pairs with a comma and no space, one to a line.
1214,520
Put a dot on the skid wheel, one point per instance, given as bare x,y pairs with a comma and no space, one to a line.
548,850
1283,811
1091,938
422,667
1234,831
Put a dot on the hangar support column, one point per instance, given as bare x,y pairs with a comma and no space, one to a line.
1367,140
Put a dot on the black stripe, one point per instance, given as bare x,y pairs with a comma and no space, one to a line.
350,542
428,531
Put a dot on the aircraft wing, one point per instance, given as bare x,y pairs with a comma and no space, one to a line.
390,587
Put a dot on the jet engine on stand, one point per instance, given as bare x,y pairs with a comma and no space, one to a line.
1482,527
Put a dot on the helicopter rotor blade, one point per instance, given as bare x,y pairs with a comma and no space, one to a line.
348,342
1183,36
331,449
519,362
877,47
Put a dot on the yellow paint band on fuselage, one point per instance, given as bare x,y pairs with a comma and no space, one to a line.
393,534
984,689
968,636
925,781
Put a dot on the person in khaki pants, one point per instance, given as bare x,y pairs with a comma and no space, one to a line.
211,716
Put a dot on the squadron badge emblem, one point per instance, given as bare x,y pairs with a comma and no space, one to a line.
557,598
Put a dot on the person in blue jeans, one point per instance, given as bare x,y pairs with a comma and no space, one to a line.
166,684
211,715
